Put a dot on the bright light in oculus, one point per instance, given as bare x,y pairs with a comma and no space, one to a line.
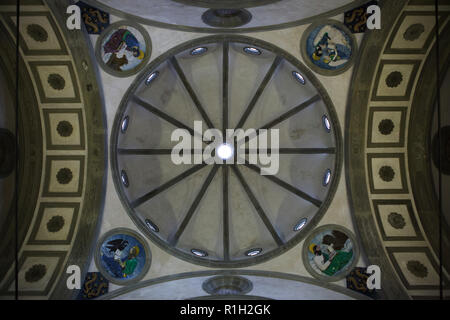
225,151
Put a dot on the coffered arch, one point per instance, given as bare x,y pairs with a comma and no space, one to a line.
382,124
61,150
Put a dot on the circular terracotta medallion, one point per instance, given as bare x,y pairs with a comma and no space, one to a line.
123,49
330,252
122,256
328,47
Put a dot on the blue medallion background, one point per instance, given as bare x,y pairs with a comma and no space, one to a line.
310,48
112,267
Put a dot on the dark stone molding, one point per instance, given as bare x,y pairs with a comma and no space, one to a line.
386,173
416,268
243,273
44,205
63,176
96,165
226,18
397,220
227,285
40,86
34,274
419,151
385,129
29,151
64,129
355,141
7,153
430,38
23,45
406,97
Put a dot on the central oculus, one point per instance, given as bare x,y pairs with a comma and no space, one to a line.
225,151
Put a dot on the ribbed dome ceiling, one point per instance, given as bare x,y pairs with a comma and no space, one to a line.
225,215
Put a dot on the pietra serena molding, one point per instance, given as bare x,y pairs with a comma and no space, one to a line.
377,149
69,198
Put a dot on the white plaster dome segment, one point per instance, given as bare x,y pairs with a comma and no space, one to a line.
187,15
